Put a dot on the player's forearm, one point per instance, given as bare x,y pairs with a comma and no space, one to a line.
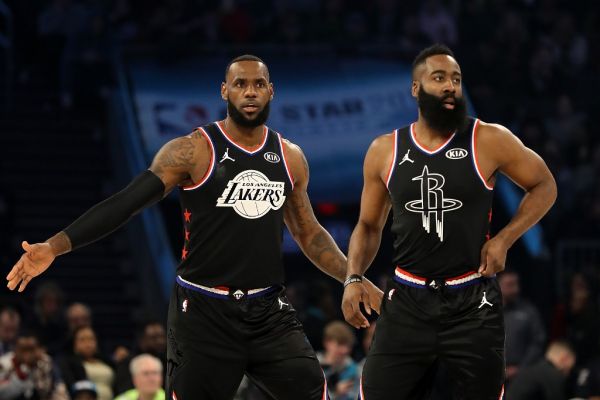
107,216
60,243
533,207
321,249
364,244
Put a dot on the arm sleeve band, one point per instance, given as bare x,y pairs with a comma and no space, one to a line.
105,217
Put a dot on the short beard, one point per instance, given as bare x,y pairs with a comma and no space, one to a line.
440,118
241,120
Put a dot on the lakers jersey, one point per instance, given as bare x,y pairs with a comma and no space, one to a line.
233,217
441,204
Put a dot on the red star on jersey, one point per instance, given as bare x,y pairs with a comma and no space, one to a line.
187,215
184,254
187,235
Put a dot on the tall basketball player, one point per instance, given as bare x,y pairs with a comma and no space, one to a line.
239,183
443,304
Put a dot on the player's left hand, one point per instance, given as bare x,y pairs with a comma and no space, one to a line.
354,294
375,295
493,257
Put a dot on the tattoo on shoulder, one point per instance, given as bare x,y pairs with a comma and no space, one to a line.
179,153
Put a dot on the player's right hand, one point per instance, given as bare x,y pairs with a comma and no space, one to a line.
36,259
354,294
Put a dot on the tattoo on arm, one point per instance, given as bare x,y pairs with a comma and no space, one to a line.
327,255
314,240
178,154
300,210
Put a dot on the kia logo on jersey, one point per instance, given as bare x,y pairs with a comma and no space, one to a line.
271,157
456,154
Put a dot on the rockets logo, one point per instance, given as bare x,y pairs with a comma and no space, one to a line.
251,194
432,202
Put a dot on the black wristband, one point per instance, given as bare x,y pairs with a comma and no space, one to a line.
354,278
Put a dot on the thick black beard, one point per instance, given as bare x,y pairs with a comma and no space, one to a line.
440,118
241,120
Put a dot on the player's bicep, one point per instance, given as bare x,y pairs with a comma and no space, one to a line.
519,163
375,201
174,162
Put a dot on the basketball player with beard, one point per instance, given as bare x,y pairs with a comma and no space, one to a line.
239,183
443,304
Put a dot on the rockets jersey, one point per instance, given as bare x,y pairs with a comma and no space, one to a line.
233,217
441,204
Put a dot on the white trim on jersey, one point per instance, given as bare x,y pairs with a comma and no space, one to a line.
474,155
239,146
393,165
285,163
413,137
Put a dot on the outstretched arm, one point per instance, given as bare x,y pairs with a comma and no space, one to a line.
527,169
174,164
374,209
316,243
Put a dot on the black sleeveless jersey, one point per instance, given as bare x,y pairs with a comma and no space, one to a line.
233,217
441,204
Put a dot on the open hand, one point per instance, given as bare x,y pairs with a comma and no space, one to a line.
36,259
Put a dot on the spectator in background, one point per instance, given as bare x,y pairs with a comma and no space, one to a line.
78,315
84,390
29,373
152,339
579,320
546,379
341,372
10,323
321,308
147,374
437,23
85,363
525,334
49,322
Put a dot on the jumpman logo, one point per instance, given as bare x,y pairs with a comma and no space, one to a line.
406,158
484,301
432,202
391,293
281,303
226,156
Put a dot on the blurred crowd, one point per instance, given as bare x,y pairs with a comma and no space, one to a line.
55,352
528,64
